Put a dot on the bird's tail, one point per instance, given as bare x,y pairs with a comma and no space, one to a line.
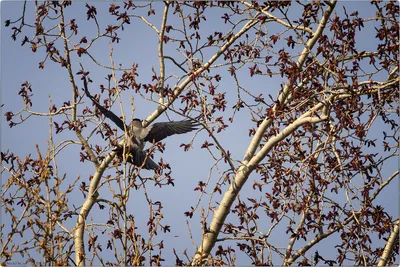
140,158
150,165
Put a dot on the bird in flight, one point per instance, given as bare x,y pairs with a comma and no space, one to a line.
137,135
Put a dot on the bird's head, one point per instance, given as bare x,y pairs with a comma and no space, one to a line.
137,123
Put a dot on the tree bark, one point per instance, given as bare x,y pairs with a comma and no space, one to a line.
393,238
251,161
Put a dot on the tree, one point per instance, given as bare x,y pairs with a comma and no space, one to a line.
297,103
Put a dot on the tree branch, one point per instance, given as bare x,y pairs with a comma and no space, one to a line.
250,161
80,254
283,97
241,177
178,90
393,238
161,55
281,21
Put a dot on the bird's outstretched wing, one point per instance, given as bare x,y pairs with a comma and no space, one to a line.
107,113
159,131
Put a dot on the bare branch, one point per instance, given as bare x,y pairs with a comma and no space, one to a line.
393,238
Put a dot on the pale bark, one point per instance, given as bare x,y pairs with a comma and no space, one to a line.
269,15
88,204
393,238
161,55
251,161
317,239
283,97
86,208
178,90
241,177
303,250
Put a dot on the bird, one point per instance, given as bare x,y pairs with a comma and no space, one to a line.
137,135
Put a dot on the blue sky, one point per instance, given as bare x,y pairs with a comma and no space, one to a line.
139,45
